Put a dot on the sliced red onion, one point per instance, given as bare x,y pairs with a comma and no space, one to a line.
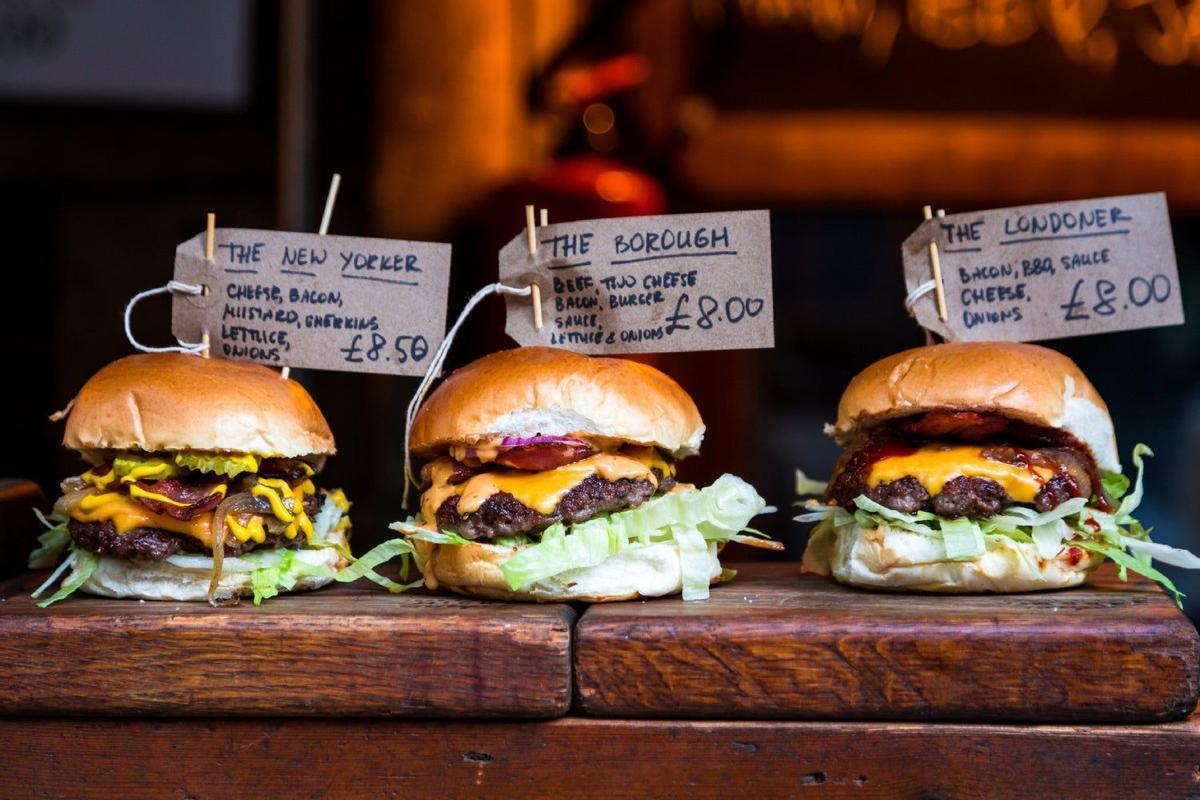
518,441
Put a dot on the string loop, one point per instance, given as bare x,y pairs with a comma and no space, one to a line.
170,286
435,370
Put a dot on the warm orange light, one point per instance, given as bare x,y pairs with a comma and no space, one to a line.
616,186
1078,26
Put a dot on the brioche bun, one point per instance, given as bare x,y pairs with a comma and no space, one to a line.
529,391
474,570
162,402
162,580
890,558
1025,382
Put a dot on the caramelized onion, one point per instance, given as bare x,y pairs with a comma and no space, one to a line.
69,500
239,503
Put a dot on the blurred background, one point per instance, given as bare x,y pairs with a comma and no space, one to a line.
123,122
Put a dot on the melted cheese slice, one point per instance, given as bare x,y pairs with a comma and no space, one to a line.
934,465
541,491
127,514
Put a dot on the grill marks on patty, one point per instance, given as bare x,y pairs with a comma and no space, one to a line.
503,515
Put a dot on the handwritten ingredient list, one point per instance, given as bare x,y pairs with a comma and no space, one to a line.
1049,271
319,302
646,284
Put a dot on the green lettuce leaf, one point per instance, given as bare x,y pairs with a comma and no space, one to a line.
1115,484
963,539
51,543
85,564
364,566
807,486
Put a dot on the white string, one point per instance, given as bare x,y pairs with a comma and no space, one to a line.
435,370
916,294
171,286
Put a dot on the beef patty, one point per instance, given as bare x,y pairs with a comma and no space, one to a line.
503,515
964,496
155,544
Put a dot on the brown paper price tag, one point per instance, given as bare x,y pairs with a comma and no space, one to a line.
646,284
1049,271
319,302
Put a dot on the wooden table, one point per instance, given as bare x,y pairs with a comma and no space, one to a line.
778,686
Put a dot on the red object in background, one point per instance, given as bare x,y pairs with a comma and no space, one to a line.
581,85
591,186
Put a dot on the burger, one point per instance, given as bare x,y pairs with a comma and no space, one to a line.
201,485
550,476
977,467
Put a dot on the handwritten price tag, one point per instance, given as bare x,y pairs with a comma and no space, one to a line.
321,302
646,284
1049,271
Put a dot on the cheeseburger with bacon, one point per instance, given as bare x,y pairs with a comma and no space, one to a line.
978,467
201,485
550,475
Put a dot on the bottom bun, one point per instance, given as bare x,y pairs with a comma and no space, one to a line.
162,580
474,569
890,558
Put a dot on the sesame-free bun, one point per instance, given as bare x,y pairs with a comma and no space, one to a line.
889,558
162,580
171,401
1025,382
474,570
542,390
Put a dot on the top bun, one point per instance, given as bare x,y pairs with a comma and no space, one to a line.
542,390
1021,381
163,402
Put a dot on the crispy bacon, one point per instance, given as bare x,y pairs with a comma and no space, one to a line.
290,469
200,497
543,456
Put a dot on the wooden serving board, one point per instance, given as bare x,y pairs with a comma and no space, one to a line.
341,651
148,759
778,644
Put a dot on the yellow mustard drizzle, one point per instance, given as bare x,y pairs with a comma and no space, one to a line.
251,530
279,495
137,491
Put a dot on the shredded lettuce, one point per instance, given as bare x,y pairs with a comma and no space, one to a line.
963,539
807,486
1118,535
1115,484
51,543
84,564
691,520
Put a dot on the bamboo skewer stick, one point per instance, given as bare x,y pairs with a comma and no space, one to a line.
936,262
535,291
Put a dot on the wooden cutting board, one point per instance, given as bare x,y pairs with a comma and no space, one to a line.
341,651
778,644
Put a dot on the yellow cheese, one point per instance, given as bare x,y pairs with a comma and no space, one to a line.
541,491
934,465
126,514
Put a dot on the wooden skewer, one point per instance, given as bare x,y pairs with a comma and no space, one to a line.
210,235
334,183
936,262
530,230
330,199
535,291
545,218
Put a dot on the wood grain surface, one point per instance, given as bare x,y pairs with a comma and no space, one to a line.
341,651
777,644
572,757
